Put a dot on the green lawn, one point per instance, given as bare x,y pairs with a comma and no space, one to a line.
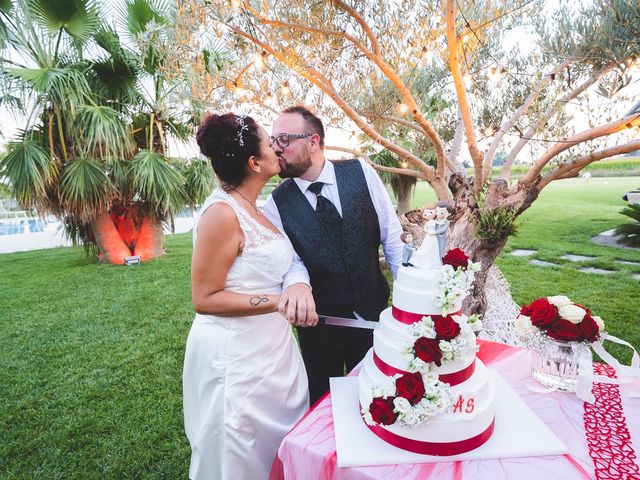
92,355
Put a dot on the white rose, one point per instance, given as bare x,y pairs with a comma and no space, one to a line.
573,313
524,326
368,419
559,301
599,321
402,404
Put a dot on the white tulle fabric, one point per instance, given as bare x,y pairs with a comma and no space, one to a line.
244,382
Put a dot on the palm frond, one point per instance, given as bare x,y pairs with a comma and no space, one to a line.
85,188
6,6
118,171
30,171
78,18
102,131
63,86
139,13
158,184
630,232
199,181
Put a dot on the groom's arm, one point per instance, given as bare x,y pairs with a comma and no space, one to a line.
296,302
390,228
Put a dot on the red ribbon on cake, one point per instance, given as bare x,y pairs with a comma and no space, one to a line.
433,448
452,379
408,318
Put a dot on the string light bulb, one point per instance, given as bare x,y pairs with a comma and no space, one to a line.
403,108
285,90
494,75
404,164
235,3
258,61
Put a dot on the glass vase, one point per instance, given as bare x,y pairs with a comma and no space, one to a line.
555,364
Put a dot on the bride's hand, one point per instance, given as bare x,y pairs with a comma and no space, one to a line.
297,305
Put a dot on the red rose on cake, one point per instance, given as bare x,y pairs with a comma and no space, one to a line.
428,350
559,318
446,328
411,387
456,258
381,410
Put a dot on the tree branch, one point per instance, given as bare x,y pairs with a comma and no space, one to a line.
367,30
551,111
399,121
506,126
454,67
583,136
455,146
326,86
578,164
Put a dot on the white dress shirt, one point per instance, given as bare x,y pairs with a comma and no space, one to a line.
390,228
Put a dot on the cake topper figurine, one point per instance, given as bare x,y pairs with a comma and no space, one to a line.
442,225
428,253
408,249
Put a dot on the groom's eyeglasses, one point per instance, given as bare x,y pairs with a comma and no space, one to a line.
284,139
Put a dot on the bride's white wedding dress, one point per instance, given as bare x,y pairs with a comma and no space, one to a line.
244,382
428,253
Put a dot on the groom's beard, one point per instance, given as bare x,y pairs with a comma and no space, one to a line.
295,168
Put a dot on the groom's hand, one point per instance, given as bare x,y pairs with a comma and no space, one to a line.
297,305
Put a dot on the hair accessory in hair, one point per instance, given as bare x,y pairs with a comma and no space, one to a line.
243,126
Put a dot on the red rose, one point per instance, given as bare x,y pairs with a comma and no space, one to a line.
525,310
564,331
410,386
456,258
446,328
543,313
589,328
381,410
428,350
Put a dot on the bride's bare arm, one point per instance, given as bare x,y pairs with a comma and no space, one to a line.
219,241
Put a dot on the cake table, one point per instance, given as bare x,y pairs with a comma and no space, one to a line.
603,438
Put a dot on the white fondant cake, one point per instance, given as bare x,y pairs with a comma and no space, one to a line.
456,411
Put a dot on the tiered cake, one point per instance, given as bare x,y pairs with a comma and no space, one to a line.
422,388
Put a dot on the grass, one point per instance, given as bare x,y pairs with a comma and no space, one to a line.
92,354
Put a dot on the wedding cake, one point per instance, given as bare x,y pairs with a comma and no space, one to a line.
421,387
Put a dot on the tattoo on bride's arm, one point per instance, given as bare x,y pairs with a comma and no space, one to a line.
257,300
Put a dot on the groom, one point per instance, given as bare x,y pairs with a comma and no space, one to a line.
336,216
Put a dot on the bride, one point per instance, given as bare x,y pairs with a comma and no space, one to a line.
244,382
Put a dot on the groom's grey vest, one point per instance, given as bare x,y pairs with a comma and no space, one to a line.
344,270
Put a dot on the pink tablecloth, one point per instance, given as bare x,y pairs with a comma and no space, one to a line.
309,451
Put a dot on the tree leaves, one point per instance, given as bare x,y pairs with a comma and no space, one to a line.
78,18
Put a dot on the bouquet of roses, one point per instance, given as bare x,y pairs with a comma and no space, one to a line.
561,319
458,274
409,399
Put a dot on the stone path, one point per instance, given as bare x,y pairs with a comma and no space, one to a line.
609,234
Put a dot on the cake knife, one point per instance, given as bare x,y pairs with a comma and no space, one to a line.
357,322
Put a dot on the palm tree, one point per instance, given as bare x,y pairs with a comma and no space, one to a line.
94,147
403,186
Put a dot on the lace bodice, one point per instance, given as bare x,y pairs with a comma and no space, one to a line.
266,256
